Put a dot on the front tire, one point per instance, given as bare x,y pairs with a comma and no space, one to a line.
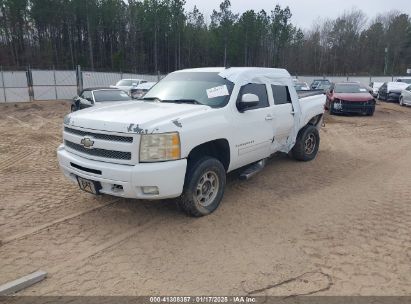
204,187
330,108
307,144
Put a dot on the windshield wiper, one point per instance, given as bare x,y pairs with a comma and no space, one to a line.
193,101
150,98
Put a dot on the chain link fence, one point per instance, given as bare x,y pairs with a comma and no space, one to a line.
366,80
36,84
13,86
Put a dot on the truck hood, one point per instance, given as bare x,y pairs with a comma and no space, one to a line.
134,116
354,96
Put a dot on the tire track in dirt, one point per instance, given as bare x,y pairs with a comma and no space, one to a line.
37,229
65,242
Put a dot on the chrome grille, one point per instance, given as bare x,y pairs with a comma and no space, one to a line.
99,135
99,152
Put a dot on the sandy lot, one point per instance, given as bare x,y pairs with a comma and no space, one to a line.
339,225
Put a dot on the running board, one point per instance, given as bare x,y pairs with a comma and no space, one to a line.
253,169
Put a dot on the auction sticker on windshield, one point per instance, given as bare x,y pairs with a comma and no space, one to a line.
217,91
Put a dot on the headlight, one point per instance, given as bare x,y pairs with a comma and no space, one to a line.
67,119
160,147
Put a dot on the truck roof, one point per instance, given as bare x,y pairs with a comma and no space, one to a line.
241,70
244,75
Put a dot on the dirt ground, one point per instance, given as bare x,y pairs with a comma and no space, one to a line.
339,225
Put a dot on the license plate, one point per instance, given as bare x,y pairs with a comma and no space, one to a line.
89,185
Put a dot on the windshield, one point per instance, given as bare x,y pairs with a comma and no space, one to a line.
300,85
206,88
349,88
110,95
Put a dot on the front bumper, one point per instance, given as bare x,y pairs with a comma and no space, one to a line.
126,180
353,107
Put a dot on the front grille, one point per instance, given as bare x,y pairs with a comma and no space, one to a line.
99,152
355,106
99,135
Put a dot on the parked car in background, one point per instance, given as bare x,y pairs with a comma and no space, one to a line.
391,91
127,84
323,87
301,86
405,97
375,86
404,79
141,89
94,96
349,97
320,84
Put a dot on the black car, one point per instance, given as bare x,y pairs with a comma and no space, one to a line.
391,91
93,96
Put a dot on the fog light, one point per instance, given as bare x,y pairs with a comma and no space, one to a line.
151,190
117,188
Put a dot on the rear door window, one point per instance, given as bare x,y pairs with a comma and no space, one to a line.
281,94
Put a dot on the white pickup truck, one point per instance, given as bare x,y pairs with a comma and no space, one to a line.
190,129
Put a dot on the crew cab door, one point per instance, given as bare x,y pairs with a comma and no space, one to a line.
282,112
253,131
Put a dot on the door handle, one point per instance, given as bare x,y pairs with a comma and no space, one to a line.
268,117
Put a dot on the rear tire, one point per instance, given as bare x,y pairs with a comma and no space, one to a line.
204,187
307,144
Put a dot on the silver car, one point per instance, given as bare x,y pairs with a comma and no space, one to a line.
405,98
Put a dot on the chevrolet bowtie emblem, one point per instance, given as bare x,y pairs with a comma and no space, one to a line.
87,142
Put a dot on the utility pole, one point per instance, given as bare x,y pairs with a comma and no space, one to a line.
89,36
385,60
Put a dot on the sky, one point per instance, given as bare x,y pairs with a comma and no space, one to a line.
305,12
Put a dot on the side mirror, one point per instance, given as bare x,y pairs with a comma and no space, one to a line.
248,101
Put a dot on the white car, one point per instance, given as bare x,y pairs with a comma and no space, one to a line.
404,79
189,130
90,97
375,86
127,84
405,98
141,89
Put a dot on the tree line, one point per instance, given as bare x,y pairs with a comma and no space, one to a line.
147,36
